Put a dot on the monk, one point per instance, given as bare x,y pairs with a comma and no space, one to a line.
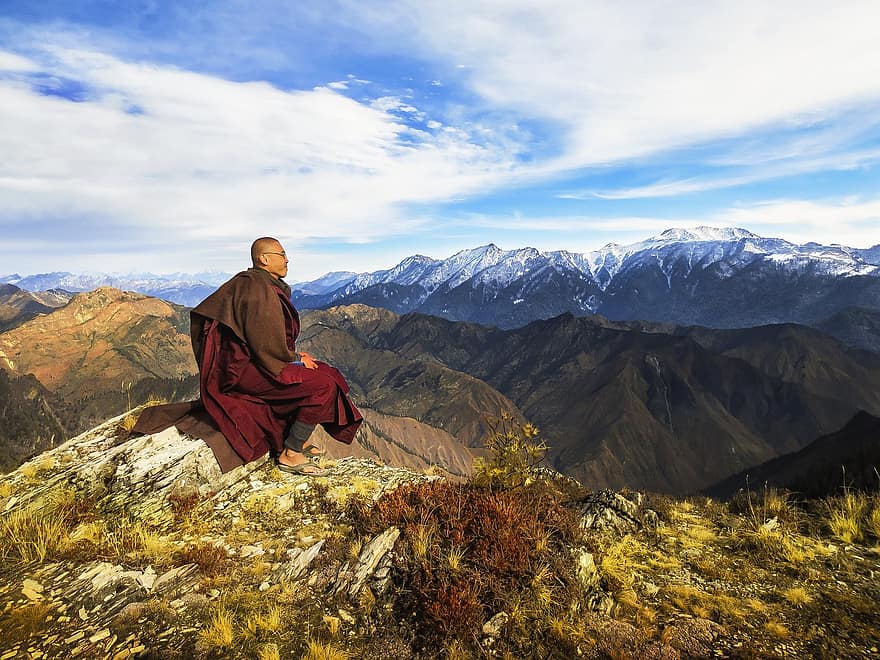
257,388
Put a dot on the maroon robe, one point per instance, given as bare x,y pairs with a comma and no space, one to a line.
244,337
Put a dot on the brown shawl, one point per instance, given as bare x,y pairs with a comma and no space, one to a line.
248,305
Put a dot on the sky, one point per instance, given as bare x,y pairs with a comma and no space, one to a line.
159,136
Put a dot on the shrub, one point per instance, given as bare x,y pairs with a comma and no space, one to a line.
514,451
470,552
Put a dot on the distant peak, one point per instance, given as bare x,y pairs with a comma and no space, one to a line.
705,234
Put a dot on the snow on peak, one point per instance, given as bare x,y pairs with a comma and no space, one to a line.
704,233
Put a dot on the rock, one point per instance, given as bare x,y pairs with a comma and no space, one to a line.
693,637
493,627
352,579
587,573
300,560
607,510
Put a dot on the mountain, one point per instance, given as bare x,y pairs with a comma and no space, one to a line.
404,385
102,353
711,277
33,419
109,350
855,326
181,288
622,406
18,306
849,457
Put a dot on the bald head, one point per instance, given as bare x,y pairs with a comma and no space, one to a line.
268,253
262,246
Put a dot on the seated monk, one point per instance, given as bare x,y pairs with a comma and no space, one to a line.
256,388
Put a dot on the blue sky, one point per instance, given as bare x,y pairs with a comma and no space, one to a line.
165,136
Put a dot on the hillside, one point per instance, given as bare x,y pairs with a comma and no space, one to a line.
18,306
847,458
108,350
102,353
137,547
627,405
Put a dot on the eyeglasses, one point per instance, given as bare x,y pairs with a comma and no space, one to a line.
280,254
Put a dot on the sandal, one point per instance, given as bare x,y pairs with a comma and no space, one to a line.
307,469
313,451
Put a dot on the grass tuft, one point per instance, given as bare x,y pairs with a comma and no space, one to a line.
325,651
846,516
220,631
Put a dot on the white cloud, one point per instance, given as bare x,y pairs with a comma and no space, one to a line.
851,222
188,155
12,62
624,80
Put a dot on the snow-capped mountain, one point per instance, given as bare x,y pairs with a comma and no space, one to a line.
181,288
726,277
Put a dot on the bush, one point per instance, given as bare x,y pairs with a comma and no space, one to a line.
514,452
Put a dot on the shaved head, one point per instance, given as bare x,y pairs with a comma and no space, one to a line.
261,246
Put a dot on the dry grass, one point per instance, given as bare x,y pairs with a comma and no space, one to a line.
32,534
846,517
32,469
455,558
873,521
777,629
269,652
269,620
325,651
220,631
333,624
6,489
422,539
797,596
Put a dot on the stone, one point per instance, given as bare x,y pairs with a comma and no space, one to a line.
352,579
300,561
493,627
693,637
586,572
33,585
31,594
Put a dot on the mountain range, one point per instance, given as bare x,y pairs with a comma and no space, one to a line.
181,288
721,278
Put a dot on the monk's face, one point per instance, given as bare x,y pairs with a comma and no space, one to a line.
274,260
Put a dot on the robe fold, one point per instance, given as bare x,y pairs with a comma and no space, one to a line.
244,338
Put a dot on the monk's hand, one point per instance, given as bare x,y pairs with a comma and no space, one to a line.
308,361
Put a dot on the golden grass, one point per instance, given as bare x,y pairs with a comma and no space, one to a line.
846,516
269,652
873,521
422,540
619,562
455,558
333,624
718,607
269,620
455,650
797,596
6,489
128,422
220,631
777,629
32,534
33,468
325,651
356,487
